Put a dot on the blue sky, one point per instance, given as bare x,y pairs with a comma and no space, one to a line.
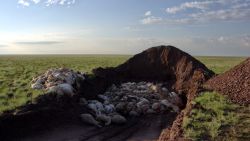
205,27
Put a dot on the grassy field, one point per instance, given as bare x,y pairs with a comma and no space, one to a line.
16,72
220,64
215,118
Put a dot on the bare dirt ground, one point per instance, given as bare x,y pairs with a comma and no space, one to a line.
137,129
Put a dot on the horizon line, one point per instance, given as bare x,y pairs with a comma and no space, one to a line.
59,54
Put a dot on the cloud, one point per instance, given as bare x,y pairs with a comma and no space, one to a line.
151,20
3,45
61,2
27,3
222,15
246,40
36,1
206,12
148,13
23,2
190,5
39,43
221,39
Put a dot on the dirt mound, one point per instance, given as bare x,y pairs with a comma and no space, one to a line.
182,72
162,63
235,83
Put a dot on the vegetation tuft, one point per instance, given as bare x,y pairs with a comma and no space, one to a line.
215,118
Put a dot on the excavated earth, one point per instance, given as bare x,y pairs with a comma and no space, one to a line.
50,118
234,83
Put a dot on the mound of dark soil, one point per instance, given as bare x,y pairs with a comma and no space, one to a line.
235,83
162,63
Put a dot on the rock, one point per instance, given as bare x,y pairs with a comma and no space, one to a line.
118,119
103,118
88,118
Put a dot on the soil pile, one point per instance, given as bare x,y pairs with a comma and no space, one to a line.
235,83
162,63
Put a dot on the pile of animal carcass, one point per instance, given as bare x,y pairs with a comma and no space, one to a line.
61,81
130,100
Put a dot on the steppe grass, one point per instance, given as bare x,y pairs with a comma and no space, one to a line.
220,64
215,118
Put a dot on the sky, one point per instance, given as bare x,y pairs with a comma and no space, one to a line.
199,27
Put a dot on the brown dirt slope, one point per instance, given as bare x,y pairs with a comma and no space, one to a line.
162,63
234,83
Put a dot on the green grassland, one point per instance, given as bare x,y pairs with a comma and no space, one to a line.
220,64
215,118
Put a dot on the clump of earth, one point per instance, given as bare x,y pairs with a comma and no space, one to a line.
60,81
130,99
